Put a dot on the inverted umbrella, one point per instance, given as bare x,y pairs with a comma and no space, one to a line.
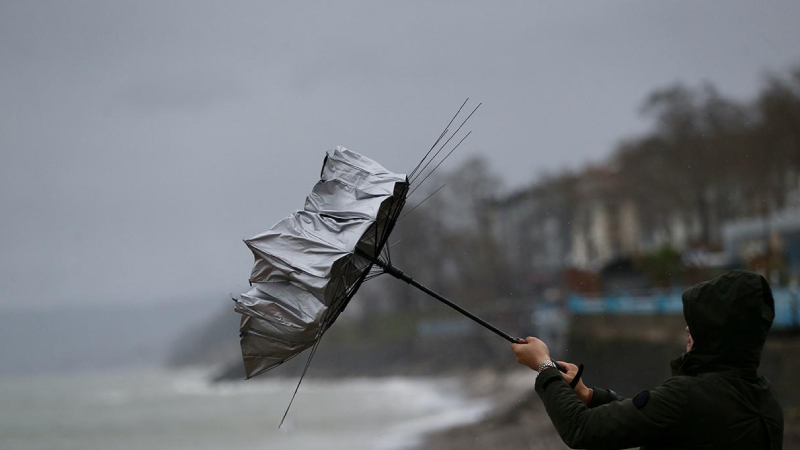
309,265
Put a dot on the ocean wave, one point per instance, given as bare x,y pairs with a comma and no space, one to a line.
355,413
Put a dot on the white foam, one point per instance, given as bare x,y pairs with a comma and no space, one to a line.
356,413
443,412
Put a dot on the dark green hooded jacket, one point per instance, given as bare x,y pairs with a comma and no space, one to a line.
715,399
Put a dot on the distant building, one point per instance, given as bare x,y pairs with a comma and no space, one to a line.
774,240
569,229
606,223
568,222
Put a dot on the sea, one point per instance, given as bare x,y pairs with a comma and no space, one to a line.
176,410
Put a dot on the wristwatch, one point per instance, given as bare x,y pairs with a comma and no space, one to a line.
545,364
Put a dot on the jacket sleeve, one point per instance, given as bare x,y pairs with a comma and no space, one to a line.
616,424
602,396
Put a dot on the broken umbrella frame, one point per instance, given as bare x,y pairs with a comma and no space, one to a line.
309,265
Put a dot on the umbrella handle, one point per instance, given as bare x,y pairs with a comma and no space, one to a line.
397,273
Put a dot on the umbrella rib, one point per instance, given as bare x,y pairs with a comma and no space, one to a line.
338,306
373,276
394,211
445,143
444,132
385,253
352,272
439,139
377,240
440,163
398,208
420,203
305,369
341,282
340,301
345,275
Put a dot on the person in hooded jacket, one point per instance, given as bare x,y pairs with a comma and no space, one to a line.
715,399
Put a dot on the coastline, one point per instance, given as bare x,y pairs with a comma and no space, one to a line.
486,409
516,420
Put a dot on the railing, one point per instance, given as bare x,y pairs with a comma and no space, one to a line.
787,305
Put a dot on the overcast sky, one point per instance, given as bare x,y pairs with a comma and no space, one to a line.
142,140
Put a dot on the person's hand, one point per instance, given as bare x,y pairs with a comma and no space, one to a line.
584,393
531,354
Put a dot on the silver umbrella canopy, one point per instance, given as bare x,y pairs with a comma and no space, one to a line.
310,264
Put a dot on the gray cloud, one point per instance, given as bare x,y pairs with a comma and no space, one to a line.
137,137
183,94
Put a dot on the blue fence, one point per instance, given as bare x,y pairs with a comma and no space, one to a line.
787,305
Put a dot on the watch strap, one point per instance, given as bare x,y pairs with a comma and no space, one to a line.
545,364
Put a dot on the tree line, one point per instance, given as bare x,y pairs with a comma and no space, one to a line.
705,159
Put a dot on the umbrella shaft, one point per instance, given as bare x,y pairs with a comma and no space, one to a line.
397,273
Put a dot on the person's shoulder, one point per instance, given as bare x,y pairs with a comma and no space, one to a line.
681,383
676,392
681,380
669,405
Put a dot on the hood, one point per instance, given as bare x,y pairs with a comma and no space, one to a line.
729,318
